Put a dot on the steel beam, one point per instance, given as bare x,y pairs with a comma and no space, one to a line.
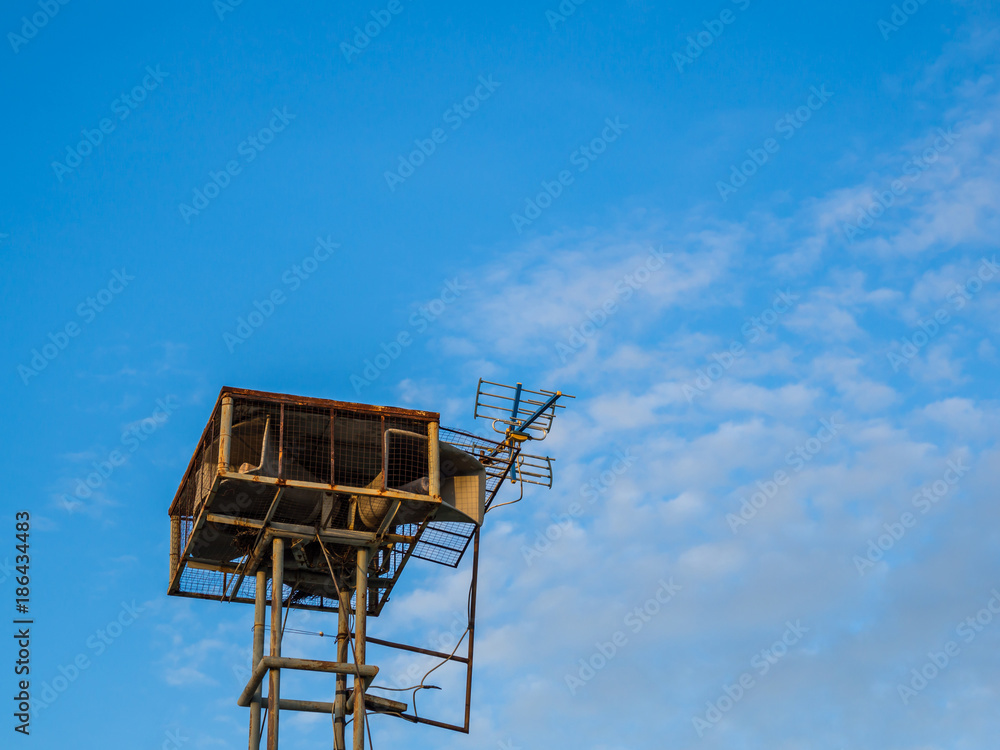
342,489
274,663
295,531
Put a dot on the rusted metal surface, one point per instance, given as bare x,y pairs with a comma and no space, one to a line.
378,704
283,475
275,664
341,489
330,404
375,703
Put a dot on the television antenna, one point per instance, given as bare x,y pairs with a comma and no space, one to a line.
520,415
318,505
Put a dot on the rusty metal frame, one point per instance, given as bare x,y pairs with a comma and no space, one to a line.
222,412
324,403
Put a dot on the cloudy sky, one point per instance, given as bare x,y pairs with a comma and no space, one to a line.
757,242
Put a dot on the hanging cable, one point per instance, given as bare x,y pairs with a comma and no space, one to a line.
421,685
521,482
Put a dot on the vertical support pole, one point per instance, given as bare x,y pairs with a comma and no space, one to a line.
175,545
260,605
281,443
382,445
360,620
343,641
333,446
515,407
225,432
472,628
433,460
274,686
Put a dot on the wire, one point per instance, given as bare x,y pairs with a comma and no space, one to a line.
422,686
511,502
288,607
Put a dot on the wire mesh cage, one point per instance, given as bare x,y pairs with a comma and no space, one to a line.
271,463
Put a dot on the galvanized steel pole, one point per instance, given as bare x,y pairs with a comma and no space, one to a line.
343,641
360,617
225,433
260,605
274,686
433,460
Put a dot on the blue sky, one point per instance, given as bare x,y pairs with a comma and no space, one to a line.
756,241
